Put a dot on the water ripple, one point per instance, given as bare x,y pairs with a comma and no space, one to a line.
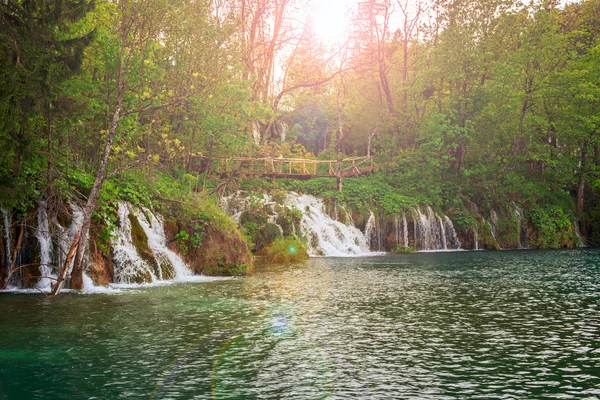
430,326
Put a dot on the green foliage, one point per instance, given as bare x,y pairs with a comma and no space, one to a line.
361,194
553,227
221,270
289,220
255,222
501,108
400,249
285,250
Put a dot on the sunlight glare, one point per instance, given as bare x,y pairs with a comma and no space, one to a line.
330,19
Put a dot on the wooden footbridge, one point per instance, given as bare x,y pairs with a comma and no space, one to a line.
294,168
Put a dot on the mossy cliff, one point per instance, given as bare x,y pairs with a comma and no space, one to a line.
209,240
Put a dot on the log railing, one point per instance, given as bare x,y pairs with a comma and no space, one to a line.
297,168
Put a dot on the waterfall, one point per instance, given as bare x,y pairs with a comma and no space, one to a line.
155,231
371,230
451,235
442,233
128,266
373,233
397,227
432,232
427,235
523,239
401,230
326,236
65,239
159,264
493,223
7,239
46,248
405,229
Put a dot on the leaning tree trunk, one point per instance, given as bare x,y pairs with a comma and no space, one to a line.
79,243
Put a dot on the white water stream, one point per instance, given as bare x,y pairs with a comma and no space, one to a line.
326,236
7,238
129,266
432,232
46,248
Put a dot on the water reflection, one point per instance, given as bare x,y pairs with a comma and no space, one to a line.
432,326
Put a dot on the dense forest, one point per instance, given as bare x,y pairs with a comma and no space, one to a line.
466,106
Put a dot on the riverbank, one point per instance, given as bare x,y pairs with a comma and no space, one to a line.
150,229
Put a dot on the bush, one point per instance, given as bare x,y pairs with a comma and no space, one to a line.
401,249
285,250
553,228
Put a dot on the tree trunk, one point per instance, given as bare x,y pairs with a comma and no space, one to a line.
371,137
79,243
554,144
49,139
581,185
524,108
340,141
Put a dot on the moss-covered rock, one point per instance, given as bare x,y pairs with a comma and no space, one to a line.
140,242
210,242
221,254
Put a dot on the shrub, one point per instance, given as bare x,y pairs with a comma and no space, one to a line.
401,249
285,250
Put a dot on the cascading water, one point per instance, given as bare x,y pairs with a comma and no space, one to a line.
432,232
427,235
405,229
451,235
442,233
326,236
520,220
46,248
371,232
132,267
7,238
168,259
493,223
128,266
65,238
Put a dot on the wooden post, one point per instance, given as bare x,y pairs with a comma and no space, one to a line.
315,168
338,173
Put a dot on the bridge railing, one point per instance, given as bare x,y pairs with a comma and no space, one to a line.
293,167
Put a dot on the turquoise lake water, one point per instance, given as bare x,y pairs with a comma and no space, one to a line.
486,325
